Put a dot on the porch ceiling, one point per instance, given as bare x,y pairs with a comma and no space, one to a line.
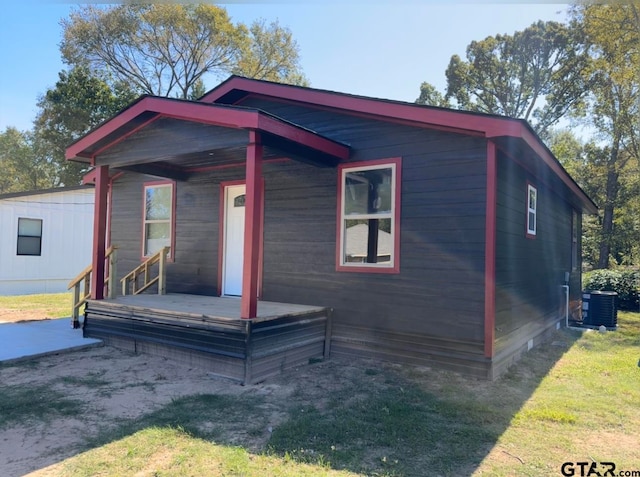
176,138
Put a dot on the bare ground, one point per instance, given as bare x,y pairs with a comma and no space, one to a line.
117,385
14,316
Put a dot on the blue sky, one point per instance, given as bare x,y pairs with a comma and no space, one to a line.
383,49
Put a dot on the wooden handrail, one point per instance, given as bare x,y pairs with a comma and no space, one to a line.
130,280
83,280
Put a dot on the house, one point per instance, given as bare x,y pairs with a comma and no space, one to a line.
369,227
45,238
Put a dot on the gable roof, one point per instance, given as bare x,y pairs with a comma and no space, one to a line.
148,109
490,126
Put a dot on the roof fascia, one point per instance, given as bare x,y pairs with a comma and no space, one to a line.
456,120
526,134
488,126
206,114
54,190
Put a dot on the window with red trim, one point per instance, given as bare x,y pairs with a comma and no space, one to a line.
368,216
532,210
158,221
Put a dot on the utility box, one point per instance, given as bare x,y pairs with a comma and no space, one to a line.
599,308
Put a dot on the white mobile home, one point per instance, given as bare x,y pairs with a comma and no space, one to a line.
45,239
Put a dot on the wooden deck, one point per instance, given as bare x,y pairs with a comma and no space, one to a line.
208,332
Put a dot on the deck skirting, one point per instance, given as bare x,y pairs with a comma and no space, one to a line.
247,351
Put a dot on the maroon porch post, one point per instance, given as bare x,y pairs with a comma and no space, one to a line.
99,232
252,232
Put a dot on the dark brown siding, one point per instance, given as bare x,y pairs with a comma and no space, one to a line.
529,272
436,302
434,307
195,267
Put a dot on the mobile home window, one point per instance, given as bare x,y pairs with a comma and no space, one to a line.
158,217
532,210
369,217
29,237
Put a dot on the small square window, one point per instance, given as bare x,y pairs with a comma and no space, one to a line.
29,237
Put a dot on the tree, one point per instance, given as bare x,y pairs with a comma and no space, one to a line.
78,102
271,54
534,74
612,35
167,49
21,169
430,96
588,165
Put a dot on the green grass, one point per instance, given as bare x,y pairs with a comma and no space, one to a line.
91,380
205,416
162,451
575,398
386,428
52,305
26,404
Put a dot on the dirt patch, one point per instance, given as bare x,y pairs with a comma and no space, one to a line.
115,386
16,316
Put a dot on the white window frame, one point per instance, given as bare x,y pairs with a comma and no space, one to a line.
532,211
19,236
170,220
394,215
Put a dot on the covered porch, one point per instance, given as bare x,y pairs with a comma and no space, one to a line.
184,140
209,332
190,142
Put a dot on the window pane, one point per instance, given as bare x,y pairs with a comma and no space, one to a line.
532,199
157,236
29,246
368,241
31,227
368,192
532,222
239,201
158,203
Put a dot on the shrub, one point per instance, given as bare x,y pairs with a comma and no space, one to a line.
625,283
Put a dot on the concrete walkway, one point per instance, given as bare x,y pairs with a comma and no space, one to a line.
31,339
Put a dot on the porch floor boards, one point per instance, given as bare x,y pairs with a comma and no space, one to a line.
204,307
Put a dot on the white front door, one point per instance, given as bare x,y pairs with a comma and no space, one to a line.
234,198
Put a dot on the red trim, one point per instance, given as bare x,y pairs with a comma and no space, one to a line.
359,114
172,253
395,269
123,137
527,168
252,228
528,234
490,252
388,109
99,232
540,149
221,240
206,114
398,112
89,177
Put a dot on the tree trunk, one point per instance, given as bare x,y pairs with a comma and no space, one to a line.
610,202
